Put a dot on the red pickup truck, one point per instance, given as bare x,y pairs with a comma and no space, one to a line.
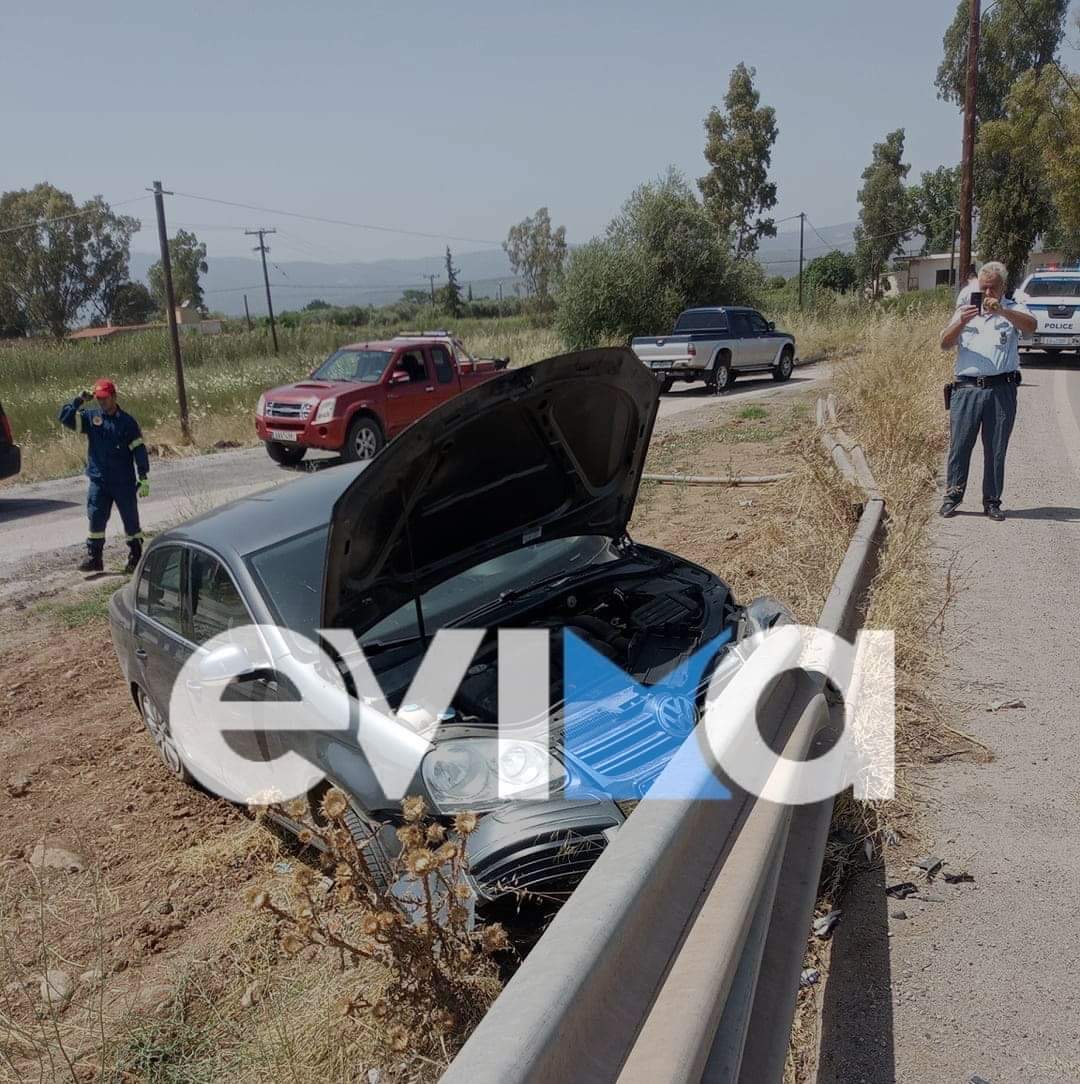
364,394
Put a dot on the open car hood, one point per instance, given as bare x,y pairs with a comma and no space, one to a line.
551,450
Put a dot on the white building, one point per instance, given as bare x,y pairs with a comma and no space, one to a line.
943,269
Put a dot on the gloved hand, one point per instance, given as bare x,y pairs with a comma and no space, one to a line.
144,487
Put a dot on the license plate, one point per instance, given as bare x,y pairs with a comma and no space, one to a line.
1054,340
284,434
661,365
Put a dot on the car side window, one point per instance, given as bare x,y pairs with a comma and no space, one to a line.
740,325
160,593
444,368
413,364
216,604
758,324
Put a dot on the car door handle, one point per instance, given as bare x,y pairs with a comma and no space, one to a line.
140,653
429,388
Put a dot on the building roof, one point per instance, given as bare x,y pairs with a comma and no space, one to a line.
104,332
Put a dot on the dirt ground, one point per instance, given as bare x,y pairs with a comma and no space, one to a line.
158,910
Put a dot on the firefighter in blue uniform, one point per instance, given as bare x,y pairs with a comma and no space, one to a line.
114,453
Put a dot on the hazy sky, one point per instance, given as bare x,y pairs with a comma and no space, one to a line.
457,118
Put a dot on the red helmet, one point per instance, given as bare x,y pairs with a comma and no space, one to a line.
104,388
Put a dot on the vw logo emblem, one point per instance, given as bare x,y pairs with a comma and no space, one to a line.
676,715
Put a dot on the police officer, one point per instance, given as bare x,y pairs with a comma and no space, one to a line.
983,395
114,452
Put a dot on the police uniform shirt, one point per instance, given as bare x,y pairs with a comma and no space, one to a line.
989,344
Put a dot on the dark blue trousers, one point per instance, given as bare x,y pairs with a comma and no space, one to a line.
100,499
974,410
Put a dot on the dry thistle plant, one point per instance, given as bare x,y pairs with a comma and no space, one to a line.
440,966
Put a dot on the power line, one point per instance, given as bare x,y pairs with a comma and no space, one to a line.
341,222
74,214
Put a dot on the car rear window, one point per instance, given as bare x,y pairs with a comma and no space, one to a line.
701,321
1053,288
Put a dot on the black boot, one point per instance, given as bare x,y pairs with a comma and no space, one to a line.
92,562
134,556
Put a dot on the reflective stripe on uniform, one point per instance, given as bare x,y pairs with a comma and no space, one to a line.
78,421
137,537
136,443
94,535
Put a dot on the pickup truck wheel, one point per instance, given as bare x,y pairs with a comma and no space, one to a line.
721,378
288,455
786,364
364,440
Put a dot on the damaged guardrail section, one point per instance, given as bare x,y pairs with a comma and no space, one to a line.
678,956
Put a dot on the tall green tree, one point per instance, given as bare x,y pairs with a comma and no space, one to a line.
132,303
187,256
660,255
834,271
933,202
884,213
452,289
537,253
1011,192
738,147
61,258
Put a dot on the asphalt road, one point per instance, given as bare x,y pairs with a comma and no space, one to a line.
43,524
980,978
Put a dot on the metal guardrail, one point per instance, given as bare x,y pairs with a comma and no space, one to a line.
678,956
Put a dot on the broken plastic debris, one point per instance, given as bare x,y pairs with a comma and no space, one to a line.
809,976
929,863
902,890
976,1079
824,926
283,868
959,878
1001,705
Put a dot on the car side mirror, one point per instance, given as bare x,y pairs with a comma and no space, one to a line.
225,664
772,326
399,376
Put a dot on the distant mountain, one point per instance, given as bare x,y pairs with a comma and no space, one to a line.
294,283
780,254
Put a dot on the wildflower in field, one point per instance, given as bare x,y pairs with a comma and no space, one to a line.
462,891
334,803
447,852
413,807
465,823
291,944
369,925
410,835
306,837
493,938
398,1038
420,862
436,833
297,808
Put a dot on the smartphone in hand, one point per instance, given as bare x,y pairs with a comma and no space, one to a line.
976,299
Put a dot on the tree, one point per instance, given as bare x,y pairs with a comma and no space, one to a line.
537,253
660,255
835,271
452,289
738,148
884,215
315,304
132,303
66,259
1011,192
187,255
933,205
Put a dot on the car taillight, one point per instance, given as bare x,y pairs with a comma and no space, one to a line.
692,350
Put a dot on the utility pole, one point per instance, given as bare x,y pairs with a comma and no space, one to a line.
262,249
500,299
802,221
967,162
431,278
952,253
170,306
247,313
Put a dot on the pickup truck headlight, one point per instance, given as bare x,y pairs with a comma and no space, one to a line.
260,406
326,410
463,773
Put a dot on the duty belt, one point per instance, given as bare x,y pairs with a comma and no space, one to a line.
1012,377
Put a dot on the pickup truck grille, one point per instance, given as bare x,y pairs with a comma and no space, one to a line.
295,411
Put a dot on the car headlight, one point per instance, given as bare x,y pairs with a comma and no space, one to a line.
260,406
326,409
463,773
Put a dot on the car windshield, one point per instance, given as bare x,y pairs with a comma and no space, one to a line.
1053,288
701,321
362,366
290,577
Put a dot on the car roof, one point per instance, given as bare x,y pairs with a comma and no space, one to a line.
269,516
720,308
372,344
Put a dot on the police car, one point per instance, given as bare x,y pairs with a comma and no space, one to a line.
1053,296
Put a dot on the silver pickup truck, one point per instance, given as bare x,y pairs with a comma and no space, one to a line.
716,344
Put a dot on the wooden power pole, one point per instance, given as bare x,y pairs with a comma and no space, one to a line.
262,250
802,221
247,313
170,307
967,161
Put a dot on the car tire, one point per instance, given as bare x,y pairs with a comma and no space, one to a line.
287,455
666,385
784,366
722,377
369,836
157,726
364,439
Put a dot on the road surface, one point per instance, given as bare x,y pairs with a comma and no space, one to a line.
981,978
43,524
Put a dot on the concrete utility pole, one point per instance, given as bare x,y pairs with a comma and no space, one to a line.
802,221
247,313
262,249
170,305
967,161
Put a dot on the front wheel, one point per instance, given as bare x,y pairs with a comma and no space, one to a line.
364,440
783,369
721,378
287,455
